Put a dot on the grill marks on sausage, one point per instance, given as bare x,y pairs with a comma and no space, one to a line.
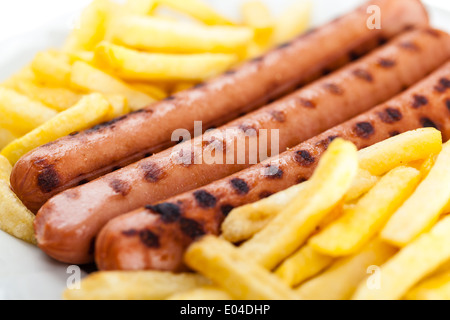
394,133
169,212
433,32
265,194
120,187
240,186
306,103
170,98
278,116
428,123
107,125
273,172
130,233
363,74
226,209
304,158
419,101
386,63
333,88
325,143
249,130
152,172
191,228
447,103
390,115
149,239
364,130
409,46
443,85
205,199
48,178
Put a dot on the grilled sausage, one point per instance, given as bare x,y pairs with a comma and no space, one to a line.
298,117
156,237
83,156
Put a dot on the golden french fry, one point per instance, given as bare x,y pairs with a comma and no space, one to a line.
119,105
137,285
87,78
25,74
341,280
358,225
362,184
411,264
85,56
294,20
15,219
303,265
51,67
21,114
404,148
140,66
91,27
197,9
154,91
226,266
179,37
257,16
203,293
421,211
5,169
142,7
181,86
58,99
291,228
424,166
91,110
6,136
436,288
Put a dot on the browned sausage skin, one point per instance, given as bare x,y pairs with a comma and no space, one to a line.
298,117
155,237
83,156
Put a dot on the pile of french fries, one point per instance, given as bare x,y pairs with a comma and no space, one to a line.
372,224
121,57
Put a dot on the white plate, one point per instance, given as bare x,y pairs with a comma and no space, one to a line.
25,272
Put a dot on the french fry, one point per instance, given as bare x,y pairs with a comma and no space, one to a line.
142,7
203,293
85,56
25,74
358,225
52,68
291,228
303,265
154,91
424,166
436,288
5,169
227,267
87,78
257,16
6,136
404,148
21,114
421,211
341,280
411,264
91,27
293,21
181,86
197,9
91,110
119,105
179,37
362,184
139,66
15,219
58,99
138,285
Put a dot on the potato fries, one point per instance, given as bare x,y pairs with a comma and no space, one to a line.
303,265
179,37
20,114
135,65
405,148
257,16
91,110
15,219
341,280
228,267
419,214
52,68
436,288
197,9
360,224
142,285
293,21
331,181
6,137
204,293
142,7
411,264
87,78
